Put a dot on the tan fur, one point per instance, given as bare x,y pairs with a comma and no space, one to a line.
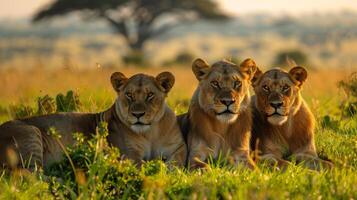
291,129
157,137
210,130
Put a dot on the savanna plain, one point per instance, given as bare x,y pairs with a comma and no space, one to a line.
98,174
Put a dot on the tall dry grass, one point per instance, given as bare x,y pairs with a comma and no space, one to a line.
25,85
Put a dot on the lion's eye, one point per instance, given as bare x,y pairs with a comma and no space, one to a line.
129,96
215,84
286,87
237,84
149,96
266,88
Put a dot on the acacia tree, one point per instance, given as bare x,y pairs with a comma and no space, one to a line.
136,20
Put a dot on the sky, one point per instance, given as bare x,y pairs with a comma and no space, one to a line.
25,8
293,7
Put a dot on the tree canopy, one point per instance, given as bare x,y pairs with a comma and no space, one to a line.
136,20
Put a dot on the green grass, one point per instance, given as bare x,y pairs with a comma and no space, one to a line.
99,175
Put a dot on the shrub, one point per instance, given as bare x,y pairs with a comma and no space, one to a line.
21,111
68,103
47,105
349,105
93,168
329,122
298,56
182,58
135,58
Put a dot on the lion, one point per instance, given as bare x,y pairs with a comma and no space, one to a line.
218,122
282,122
140,124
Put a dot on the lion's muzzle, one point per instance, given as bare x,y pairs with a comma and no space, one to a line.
138,114
139,119
227,102
226,108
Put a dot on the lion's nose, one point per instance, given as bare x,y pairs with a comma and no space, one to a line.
276,105
227,102
138,114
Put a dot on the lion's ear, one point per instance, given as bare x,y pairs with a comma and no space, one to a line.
248,68
258,73
166,81
200,68
299,74
118,79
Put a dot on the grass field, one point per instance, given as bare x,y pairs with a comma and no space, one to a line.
105,177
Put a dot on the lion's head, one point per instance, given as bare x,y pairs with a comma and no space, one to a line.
141,98
277,93
223,89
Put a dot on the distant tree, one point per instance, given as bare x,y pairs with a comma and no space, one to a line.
136,20
281,59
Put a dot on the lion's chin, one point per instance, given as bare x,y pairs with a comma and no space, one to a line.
227,118
140,128
277,120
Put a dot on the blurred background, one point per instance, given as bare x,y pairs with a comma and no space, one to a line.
51,46
154,33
